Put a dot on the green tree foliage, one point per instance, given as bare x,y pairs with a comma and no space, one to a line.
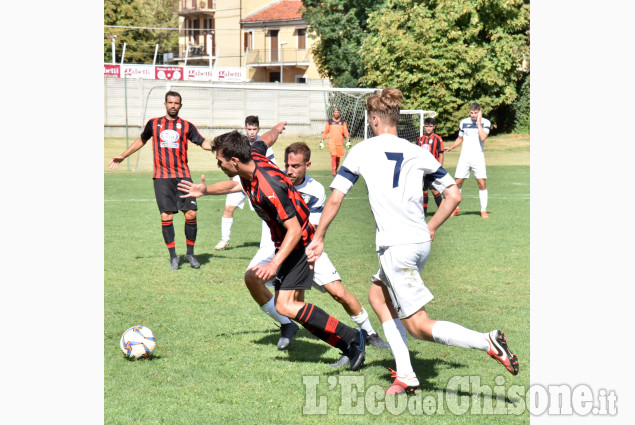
339,28
445,54
140,43
521,108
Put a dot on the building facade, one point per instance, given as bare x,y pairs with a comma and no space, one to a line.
268,39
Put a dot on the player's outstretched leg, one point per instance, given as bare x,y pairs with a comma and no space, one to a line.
333,332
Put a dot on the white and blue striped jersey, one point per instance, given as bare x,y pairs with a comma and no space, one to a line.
394,170
469,131
313,194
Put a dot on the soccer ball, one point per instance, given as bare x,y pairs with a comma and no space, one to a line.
138,342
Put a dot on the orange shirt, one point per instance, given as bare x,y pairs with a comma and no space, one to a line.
336,130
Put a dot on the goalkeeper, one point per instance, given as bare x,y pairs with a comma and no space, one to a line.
336,130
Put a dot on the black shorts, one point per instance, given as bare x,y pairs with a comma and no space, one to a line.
168,196
294,273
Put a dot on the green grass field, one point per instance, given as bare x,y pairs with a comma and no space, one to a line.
216,360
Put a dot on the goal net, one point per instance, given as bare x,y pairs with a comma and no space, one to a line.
410,125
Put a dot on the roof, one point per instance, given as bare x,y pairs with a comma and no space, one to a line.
281,11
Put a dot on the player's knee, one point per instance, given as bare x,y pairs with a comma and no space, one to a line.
229,211
190,215
251,280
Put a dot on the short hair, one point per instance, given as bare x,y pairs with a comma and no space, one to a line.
233,145
475,107
252,120
173,94
337,109
298,148
429,120
386,103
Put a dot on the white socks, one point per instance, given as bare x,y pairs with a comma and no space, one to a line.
449,333
482,195
226,228
362,321
270,309
395,334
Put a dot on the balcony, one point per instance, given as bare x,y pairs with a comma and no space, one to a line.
290,57
197,7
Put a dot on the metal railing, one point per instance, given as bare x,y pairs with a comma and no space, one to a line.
288,56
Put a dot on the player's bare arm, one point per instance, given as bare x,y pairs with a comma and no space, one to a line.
331,208
206,145
270,137
482,134
201,189
138,144
290,241
456,144
451,199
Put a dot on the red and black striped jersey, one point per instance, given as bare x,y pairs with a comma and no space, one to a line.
433,143
169,146
275,199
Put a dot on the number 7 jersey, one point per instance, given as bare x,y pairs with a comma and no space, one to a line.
394,170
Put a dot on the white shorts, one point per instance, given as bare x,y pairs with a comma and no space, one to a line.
400,269
324,272
471,162
237,199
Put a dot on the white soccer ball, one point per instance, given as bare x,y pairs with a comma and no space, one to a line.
138,342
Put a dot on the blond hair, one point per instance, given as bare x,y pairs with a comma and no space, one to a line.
386,104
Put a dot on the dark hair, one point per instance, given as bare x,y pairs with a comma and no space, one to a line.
173,94
429,121
252,120
233,145
386,103
298,148
475,107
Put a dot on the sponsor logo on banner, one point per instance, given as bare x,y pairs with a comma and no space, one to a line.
111,71
138,71
198,74
168,73
229,74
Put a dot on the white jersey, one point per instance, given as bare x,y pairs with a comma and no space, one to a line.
469,131
313,194
394,170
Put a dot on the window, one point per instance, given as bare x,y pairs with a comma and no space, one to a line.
249,36
301,34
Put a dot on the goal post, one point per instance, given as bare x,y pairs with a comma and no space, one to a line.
410,125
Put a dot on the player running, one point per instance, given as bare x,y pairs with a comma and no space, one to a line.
278,203
297,157
394,170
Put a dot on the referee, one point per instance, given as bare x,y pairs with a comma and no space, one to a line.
170,136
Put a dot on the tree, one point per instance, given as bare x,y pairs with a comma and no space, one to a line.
140,43
445,54
339,28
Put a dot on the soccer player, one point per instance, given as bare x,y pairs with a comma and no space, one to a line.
237,199
394,170
336,129
472,133
433,143
278,203
297,159
170,136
